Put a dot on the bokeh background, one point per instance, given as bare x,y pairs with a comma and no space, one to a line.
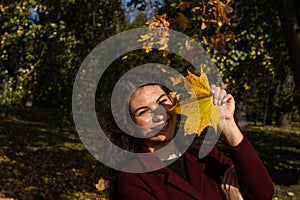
254,44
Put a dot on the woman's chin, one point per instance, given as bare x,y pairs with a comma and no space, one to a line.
161,137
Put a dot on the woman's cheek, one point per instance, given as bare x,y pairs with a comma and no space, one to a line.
144,122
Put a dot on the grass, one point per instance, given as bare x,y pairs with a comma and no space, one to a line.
42,157
280,152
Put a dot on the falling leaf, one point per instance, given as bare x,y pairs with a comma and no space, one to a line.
208,115
101,185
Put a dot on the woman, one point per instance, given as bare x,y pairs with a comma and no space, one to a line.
188,177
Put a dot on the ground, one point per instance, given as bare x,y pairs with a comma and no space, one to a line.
42,157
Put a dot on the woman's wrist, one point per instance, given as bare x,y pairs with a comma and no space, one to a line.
231,133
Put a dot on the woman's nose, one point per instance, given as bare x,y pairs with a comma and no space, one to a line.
160,113
157,118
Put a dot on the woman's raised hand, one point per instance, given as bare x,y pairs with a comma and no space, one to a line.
229,128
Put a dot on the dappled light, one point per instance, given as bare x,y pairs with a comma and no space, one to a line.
255,46
42,157
280,152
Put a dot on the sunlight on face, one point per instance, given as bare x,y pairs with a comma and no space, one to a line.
149,107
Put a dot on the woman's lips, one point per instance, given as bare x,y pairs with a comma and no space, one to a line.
166,125
163,126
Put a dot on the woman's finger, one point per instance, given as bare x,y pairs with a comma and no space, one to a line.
222,96
216,95
213,89
230,185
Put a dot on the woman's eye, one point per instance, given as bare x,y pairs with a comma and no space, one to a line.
162,101
144,112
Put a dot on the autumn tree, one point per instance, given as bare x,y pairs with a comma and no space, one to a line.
43,44
246,43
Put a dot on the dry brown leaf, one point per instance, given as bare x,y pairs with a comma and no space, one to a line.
101,185
182,20
183,5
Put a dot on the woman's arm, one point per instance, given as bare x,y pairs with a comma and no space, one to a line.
254,180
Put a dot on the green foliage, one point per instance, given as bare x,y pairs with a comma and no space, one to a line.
255,63
42,58
250,52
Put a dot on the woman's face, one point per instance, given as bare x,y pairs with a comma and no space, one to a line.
149,107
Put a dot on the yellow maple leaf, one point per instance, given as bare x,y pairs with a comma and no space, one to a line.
207,113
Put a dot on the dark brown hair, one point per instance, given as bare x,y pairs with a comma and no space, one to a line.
114,133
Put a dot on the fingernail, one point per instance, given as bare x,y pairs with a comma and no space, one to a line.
215,101
220,102
213,91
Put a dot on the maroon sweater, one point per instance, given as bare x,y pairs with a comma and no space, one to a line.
204,177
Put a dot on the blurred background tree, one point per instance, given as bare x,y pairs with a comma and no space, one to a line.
44,42
247,44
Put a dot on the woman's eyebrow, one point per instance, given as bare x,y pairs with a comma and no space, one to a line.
161,96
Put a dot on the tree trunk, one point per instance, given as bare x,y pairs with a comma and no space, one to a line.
270,108
287,101
285,120
290,20
240,114
4,94
29,101
289,11
298,100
